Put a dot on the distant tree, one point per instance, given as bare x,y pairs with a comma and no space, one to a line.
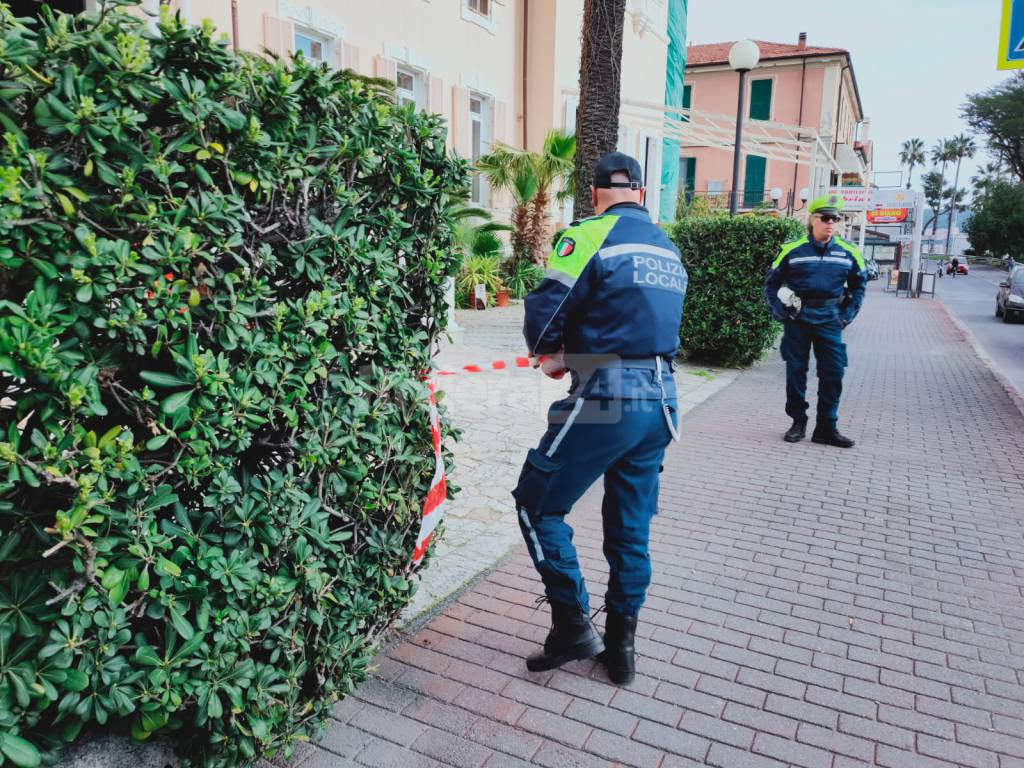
933,193
997,222
962,146
597,121
912,154
955,201
998,114
986,176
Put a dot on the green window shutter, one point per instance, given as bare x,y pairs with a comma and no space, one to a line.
760,99
687,94
753,191
691,173
688,172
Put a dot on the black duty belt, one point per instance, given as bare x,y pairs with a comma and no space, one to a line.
645,363
821,302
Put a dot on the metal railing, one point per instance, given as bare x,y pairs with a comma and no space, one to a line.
747,199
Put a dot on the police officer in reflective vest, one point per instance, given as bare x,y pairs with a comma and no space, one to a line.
608,313
827,276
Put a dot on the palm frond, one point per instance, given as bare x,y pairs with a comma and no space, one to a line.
485,244
495,226
524,185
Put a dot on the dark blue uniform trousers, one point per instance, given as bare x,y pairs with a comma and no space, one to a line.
625,441
830,355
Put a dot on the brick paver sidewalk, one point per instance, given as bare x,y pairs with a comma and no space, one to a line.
810,607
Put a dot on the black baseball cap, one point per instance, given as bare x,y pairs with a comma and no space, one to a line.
615,162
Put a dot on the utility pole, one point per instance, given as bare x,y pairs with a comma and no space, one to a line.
915,246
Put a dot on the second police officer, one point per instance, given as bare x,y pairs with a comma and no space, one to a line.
827,274
608,312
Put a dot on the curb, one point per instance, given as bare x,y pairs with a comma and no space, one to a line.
1000,376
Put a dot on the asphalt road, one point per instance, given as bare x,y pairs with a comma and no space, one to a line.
972,300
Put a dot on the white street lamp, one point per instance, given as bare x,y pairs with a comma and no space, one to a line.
743,57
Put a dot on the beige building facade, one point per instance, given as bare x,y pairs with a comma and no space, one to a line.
496,70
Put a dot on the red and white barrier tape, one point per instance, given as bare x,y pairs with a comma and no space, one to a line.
496,365
433,506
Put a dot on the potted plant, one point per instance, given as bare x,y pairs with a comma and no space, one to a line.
501,295
480,271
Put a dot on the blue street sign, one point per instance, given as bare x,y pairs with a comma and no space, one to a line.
1011,36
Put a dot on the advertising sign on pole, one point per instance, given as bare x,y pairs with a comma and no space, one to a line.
893,198
855,199
887,215
1011,36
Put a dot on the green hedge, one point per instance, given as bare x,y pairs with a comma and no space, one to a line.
219,279
725,321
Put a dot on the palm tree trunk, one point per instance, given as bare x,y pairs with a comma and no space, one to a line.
952,205
520,227
910,175
597,121
538,232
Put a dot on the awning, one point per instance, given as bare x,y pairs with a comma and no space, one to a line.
848,160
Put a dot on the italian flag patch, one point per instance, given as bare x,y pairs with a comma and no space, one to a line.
565,246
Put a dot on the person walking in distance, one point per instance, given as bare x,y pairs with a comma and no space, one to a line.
607,313
829,276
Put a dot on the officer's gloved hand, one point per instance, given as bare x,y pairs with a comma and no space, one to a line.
552,365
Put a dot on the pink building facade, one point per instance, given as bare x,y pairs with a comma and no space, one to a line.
808,93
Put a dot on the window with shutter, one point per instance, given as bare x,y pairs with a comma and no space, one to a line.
760,100
688,174
411,86
753,190
481,139
312,46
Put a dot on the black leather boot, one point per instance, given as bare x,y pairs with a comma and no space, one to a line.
619,655
573,636
797,432
827,434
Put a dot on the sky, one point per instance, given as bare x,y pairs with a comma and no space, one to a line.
915,60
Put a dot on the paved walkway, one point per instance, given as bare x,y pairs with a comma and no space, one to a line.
811,606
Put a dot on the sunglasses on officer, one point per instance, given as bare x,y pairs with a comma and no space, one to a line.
829,218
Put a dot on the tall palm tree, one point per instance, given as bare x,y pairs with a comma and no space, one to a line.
597,121
911,154
962,146
942,153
